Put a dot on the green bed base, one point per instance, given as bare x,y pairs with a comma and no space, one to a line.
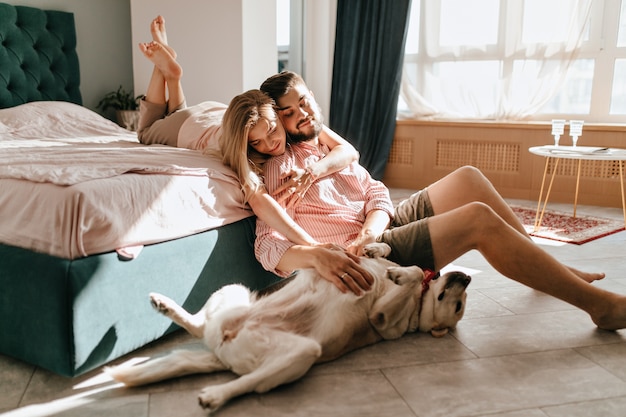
71,316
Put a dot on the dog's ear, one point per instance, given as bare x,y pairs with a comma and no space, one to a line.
439,332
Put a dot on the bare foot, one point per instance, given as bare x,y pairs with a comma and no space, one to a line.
162,59
614,315
587,276
157,29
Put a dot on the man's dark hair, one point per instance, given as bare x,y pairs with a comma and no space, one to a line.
280,84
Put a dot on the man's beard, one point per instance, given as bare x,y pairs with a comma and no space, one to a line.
297,137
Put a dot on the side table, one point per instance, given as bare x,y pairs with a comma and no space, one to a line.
578,153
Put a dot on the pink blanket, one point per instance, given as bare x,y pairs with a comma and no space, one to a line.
87,186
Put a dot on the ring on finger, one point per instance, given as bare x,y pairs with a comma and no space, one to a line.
343,276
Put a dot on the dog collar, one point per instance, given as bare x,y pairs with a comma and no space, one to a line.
428,276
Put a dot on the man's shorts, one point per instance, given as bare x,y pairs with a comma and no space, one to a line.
408,234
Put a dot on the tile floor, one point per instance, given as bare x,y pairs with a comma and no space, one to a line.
516,353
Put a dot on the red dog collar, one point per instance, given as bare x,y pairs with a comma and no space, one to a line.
428,276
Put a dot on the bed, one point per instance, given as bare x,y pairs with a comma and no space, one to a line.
91,220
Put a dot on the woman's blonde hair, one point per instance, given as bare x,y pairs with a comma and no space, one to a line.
243,114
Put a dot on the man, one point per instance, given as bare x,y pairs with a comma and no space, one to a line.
435,226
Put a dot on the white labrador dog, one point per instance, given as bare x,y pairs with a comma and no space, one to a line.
274,339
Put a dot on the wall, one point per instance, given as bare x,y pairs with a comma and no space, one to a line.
424,151
319,49
224,46
103,43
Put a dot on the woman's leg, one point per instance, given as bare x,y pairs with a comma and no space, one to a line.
467,185
167,73
477,226
175,92
156,92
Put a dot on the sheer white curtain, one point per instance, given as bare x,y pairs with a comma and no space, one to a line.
489,59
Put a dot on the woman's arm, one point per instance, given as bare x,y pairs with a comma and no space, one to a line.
268,210
341,154
332,263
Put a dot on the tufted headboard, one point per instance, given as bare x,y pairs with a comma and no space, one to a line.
38,59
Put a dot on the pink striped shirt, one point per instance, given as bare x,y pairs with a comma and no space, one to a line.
333,209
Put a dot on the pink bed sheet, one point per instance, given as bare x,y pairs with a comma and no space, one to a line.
79,185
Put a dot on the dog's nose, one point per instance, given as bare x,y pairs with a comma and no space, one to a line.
460,278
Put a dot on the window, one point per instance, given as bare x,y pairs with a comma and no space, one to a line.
282,33
516,60
289,15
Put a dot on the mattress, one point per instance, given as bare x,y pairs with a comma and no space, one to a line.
73,184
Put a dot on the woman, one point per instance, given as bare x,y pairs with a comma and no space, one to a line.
244,134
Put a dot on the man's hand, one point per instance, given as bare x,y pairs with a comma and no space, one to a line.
342,268
296,186
364,238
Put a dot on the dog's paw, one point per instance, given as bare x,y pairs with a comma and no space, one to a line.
161,303
377,250
405,275
211,398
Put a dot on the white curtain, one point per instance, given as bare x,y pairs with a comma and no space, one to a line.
536,43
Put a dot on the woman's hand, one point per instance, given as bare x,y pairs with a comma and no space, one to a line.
298,182
343,270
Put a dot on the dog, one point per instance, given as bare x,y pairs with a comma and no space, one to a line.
275,339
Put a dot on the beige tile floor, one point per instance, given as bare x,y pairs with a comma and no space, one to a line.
516,353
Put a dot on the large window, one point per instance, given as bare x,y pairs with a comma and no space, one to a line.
289,35
516,60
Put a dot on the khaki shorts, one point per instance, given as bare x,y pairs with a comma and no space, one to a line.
408,234
156,126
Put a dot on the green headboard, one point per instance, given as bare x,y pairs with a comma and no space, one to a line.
38,59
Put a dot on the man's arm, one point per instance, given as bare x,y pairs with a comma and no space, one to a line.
376,222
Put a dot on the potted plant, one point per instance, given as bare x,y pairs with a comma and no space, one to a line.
125,105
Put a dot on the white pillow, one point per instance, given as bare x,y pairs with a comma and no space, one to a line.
57,119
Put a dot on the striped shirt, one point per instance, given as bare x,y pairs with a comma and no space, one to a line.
333,209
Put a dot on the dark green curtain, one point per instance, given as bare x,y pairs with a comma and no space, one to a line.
367,69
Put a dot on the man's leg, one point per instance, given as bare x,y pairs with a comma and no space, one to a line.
477,226
467,185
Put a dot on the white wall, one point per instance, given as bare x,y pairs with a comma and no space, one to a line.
319,49
224,46
103,43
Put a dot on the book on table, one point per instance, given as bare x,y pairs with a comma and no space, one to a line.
579,150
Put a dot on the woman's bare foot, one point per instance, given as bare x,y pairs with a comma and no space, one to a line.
157,29
587,276
162,59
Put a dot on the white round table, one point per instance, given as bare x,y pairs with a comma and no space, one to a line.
579,153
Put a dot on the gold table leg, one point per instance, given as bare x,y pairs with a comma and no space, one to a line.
621,183
577,185
538,216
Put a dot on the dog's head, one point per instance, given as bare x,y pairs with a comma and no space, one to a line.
443,303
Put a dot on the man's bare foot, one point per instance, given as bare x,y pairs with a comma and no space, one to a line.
162,59
587,276
157,29
613,316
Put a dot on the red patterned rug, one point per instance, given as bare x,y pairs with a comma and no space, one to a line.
565,228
